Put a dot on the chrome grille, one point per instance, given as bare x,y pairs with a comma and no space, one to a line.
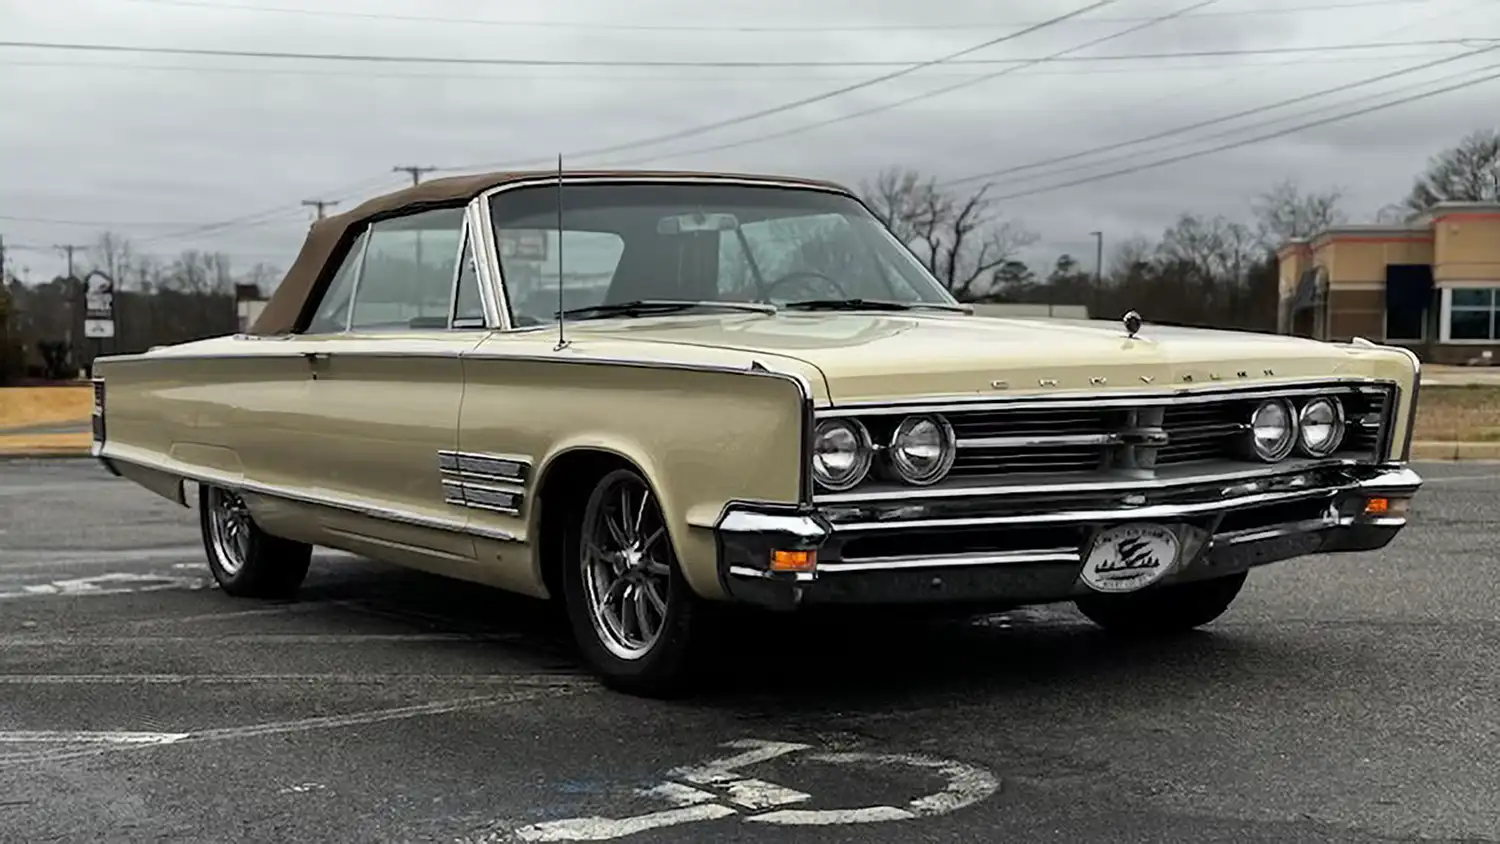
1109,436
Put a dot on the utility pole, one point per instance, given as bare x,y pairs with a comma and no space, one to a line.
414,171
1098,259
2,261
68,249
320,204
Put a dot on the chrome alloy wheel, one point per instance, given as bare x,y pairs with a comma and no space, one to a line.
229,529
626,576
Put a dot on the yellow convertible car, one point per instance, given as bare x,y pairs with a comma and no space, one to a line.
647,394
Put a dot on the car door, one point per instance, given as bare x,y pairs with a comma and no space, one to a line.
384,392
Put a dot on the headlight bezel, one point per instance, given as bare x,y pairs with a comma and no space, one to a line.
1339,423
1293,435
864,453
900,470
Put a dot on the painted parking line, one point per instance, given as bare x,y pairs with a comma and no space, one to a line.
87,737
528,679
299,725
252,638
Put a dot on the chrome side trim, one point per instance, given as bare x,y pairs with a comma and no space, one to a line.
479,481
1040,441
320,499
802,527
997,558
1086,400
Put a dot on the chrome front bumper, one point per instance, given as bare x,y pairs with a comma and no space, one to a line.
1026,548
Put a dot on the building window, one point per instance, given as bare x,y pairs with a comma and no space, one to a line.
1469,314
1408,296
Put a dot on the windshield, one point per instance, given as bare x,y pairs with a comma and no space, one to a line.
696,242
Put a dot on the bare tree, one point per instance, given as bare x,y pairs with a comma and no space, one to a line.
963,240
114,255
1285,212
1219,249
1469,171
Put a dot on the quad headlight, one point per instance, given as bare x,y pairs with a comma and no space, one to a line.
1273,430
841,453
922,449
1320,427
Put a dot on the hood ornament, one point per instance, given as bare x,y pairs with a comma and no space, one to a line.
1132,322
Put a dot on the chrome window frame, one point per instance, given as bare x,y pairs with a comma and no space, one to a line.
496,276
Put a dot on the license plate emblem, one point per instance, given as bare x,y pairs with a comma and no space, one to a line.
1125,558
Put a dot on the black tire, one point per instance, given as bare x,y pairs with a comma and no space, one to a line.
1163,610
271,567
665,667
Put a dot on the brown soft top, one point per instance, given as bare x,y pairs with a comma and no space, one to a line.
325,236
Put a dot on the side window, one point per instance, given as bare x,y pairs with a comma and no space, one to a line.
333,312
468,310
407,280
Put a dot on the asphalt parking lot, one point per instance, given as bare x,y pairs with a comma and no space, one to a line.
1350,699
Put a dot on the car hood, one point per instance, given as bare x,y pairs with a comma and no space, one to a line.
872,357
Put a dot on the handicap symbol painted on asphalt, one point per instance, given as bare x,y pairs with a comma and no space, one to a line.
717,789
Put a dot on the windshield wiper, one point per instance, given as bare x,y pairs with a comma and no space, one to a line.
869,305
650,307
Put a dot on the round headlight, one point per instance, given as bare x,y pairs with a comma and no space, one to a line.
1320,426
922,449
1273,431
841,453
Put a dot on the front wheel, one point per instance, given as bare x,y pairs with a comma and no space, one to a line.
1163,610
633,615
245,560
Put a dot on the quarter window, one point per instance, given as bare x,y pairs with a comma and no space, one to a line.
333,312
468,310
407,278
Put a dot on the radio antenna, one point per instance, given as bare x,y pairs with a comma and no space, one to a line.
562,340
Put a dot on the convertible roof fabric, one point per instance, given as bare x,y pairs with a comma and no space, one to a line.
324,238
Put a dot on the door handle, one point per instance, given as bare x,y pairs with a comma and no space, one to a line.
314,357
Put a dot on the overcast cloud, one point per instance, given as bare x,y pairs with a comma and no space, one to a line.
153,144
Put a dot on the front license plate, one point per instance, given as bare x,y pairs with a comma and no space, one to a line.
1125,558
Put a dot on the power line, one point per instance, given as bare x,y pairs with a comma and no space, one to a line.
1151,165
258,218
380,58
795,104
679,79
929,94
744,28
1178,130
320,204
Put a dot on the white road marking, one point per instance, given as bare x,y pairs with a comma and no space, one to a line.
231,679
759,794
114,583
966,785
604,829
257,638
87,737
64,558
301,725
722,770
303,788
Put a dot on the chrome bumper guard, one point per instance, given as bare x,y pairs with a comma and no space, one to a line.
1029,547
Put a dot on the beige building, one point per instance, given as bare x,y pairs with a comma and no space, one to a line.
1431,284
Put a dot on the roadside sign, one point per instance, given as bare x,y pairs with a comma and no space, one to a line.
99,305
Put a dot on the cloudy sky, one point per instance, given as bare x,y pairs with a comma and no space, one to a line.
216,152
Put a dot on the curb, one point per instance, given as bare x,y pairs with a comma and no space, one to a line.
54,454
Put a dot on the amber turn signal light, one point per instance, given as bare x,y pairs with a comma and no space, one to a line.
1383,507
794,560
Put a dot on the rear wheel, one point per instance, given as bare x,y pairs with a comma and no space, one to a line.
1165,609
245,560
636,620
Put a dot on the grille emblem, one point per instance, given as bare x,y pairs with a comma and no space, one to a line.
1132,322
